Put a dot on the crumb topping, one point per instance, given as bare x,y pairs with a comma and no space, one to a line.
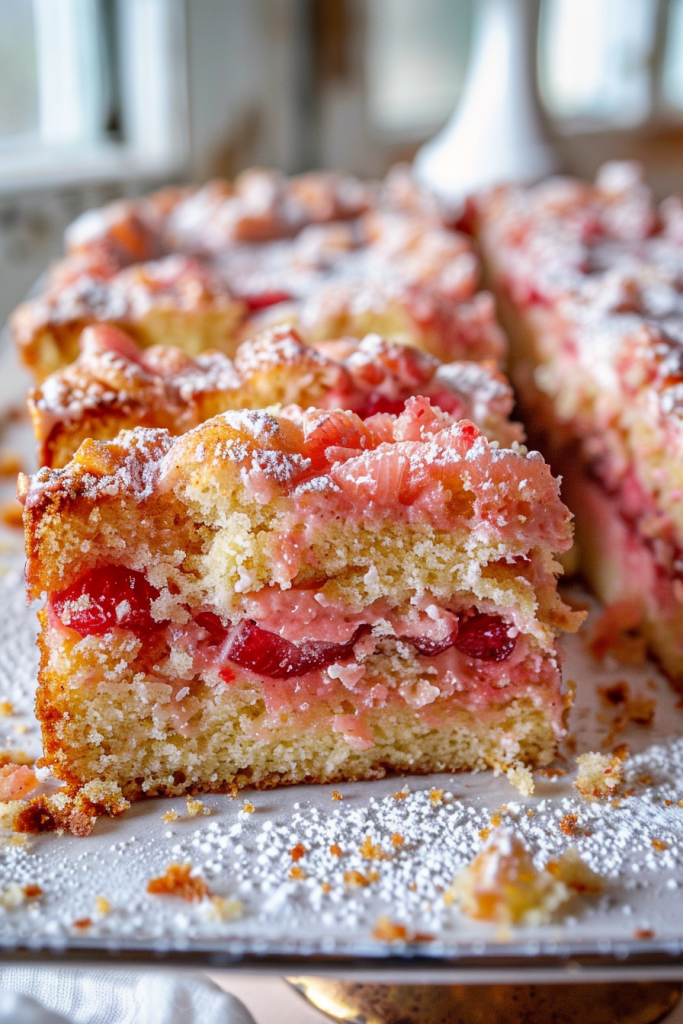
178,880
599,775
503,884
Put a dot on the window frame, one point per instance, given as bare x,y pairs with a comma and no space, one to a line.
152,83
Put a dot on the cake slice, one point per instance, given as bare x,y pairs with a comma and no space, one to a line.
271,599
115,385
207,268
174,300
589,281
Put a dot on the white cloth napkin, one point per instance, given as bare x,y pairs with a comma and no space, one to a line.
64,995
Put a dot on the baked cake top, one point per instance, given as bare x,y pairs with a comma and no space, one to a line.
206,268
162,386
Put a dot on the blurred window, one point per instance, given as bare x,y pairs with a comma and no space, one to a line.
90,89
416,61
672,82
595,59
18,79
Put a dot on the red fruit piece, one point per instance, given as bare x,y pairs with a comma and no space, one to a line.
378,359
485,637
430,648
271,655
265,299
106,597
213,626
380,403
447,402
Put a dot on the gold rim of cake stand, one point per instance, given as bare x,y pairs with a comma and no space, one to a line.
588,1003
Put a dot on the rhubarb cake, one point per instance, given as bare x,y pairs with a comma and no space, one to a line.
114,385
304,597
206,268
589,279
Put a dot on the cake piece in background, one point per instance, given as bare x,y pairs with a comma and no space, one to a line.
114,385
206,268
589,280
175,300
311,597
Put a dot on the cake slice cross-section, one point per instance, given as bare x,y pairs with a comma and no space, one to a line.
310,597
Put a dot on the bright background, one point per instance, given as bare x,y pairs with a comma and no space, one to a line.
100,98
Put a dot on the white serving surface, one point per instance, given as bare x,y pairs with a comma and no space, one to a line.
317,922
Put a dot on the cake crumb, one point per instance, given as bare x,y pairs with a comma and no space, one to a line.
222,908
170,816
20,728
32,891
599,775
373,851
12,896
659,844
195,807
402,793
573,871
336,850
336,795
297,852
356,879
326,887
248,807
552,773
83,922
397,839
102,906
6,708
643,933
521,777
435,796
503,885
641,710
296,873
388,931
178,880
16,840
615,693
569,824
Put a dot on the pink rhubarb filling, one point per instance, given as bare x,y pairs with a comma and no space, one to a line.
470,659
115,597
